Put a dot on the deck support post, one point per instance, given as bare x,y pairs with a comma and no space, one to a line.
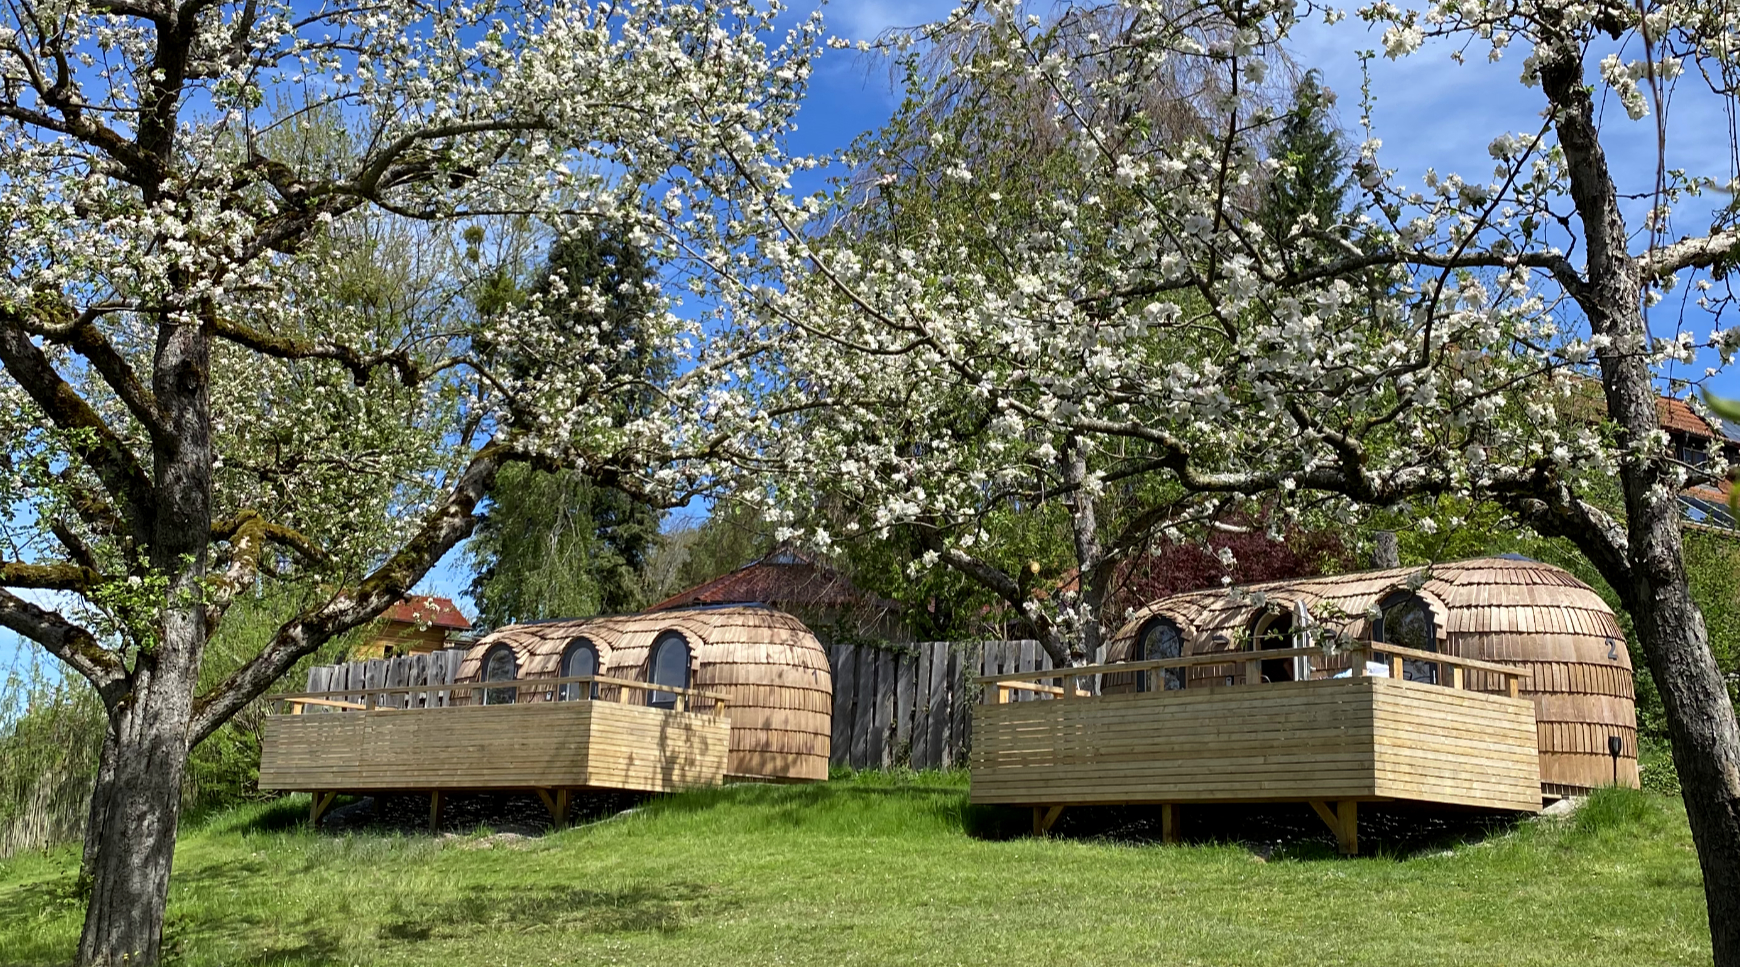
556,801
435,811
1044,818
1171,823
317,808
1348,810
1343,821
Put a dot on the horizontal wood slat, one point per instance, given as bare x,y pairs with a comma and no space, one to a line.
1519,614
1328,739
552,744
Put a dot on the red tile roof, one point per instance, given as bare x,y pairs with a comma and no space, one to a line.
784,578
1676,417
428,610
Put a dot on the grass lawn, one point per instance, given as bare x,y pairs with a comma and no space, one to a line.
881,869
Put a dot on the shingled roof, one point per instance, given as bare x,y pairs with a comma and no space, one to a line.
430,611
1677,417
784,579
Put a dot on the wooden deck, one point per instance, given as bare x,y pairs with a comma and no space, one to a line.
551,747
1332,742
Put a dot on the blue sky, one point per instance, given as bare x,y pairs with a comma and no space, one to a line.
1430,113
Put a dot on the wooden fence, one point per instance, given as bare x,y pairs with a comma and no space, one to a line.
913,707
357,678
893,706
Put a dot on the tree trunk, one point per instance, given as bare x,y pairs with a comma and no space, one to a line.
1089,552
1386,550
1706,745
101,791
135,843
1652,578
142,807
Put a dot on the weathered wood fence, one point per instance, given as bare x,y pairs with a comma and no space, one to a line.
913,707
358,678
893,706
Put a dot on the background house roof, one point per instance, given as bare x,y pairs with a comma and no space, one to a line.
1677,417
428,610
785,578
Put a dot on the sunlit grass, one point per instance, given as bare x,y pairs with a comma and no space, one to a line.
877,869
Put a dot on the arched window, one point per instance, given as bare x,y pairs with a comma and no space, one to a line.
1270,632
1158,639
499,666
1405,619
581,658
669,666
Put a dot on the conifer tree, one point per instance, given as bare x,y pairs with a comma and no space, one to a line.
557,544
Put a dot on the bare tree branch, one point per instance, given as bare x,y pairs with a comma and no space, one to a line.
445,527
100,448
66,641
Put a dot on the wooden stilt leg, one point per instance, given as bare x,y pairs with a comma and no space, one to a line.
1044,818
556,801
317,808
1171,827
1326,812
435,812
1348,810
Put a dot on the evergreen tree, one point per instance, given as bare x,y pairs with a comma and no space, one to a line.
559,544
1306,194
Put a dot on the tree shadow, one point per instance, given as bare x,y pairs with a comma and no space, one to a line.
312,940
665,907
31,904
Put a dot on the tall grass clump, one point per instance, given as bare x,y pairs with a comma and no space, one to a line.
51,730
51,733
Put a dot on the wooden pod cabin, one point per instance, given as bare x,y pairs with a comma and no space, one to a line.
1491,683
1514,612
765,663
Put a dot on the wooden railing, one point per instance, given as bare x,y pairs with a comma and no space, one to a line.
297,701
1452,669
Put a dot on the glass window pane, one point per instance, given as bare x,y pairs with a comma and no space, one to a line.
670,667
1161,639
1407,621
499,667
581,660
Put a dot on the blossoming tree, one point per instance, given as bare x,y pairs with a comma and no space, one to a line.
972,166
201,391
1482,336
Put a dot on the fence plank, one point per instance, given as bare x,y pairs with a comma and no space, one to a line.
960,702
937,730
374,675
441,673
1027,661
882,710
397,671
921,706
318,676
903,695
418,675
845,701
864,709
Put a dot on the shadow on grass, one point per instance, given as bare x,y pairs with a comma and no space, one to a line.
27,908
665,907
1271,831
314,940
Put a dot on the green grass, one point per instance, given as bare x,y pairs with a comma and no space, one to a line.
882,870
